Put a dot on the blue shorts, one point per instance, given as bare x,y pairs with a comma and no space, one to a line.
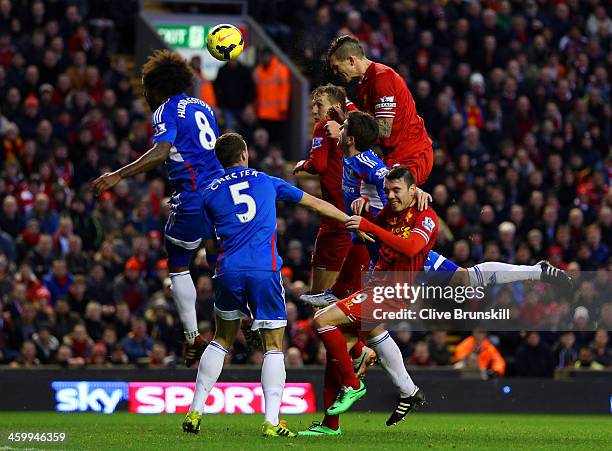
183,231
439,269
254,294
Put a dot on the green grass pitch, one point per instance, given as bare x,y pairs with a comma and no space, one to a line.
362,431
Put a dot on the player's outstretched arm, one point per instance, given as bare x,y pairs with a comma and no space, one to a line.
323,208
150,159
409,246
327,209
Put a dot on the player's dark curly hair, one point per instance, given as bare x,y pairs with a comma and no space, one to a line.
166,74
336,94
228,148
345,46
401,172
363,128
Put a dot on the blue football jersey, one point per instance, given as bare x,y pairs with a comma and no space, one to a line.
240,210
189,124
364,175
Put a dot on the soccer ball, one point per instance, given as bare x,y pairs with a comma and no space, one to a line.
225,42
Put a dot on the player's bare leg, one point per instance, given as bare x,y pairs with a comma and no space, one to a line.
184,295
322,279
273,381
209,370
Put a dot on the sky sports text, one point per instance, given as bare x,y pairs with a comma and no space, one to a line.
175,397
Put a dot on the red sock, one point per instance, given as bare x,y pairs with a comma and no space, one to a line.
357,350
349,279
335,345
332,384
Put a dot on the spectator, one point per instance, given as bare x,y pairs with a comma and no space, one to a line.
11,221
600,348
27,356
159,357
294,358
438,348
137,344
59,280
64,319
79,341
565,353
46,345
477,351
534,359
162,326
586,361
129,287
421,356
98,356
232,101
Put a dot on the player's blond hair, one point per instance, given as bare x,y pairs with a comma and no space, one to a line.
336,94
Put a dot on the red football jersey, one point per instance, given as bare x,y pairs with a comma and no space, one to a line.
382,92
325,159
403,224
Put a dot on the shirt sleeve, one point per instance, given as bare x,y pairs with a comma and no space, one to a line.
317,160
385,96
376,177
164,124
426,224
350,106
424,229
285,191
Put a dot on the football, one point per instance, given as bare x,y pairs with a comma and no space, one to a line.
225,42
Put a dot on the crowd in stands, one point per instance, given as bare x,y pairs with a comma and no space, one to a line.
515,96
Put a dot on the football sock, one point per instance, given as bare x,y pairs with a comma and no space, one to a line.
491,273
335,345
209,370
273,383
349,279
184,295
331,388
357,350
391,360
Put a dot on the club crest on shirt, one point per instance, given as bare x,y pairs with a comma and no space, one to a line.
317,142
429,224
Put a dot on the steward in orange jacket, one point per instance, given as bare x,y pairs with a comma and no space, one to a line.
477,346
273,89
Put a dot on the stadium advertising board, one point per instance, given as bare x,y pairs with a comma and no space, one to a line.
175,397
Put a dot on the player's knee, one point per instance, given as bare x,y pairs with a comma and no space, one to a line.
321,319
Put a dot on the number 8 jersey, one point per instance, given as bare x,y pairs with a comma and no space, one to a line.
188,124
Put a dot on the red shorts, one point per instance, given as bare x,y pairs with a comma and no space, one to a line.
364,310
330,249
420,163
358,307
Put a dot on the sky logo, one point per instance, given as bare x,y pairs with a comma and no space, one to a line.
96,396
